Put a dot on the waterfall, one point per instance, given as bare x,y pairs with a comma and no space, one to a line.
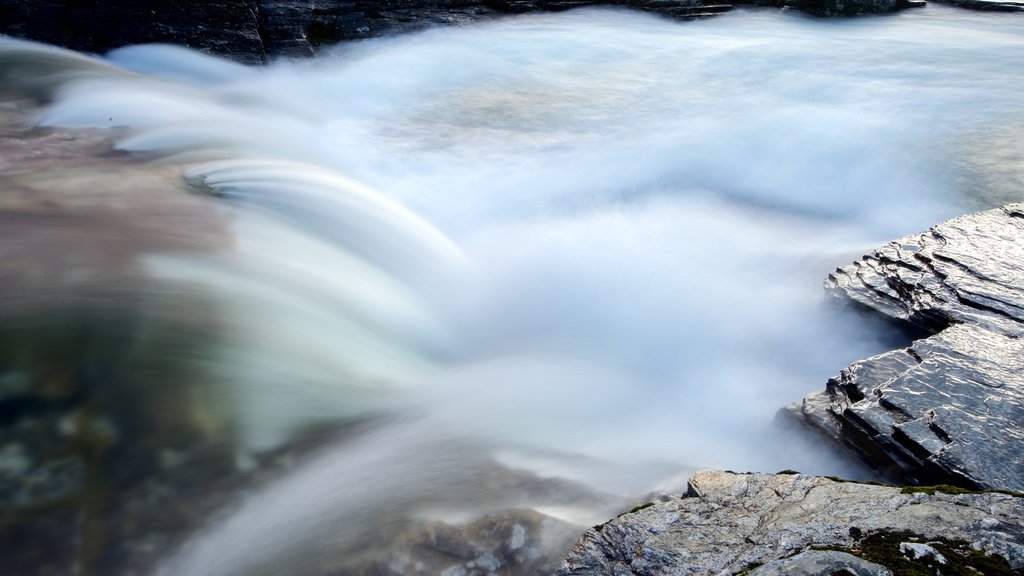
587,245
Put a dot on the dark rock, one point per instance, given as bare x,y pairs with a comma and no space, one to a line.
227,27
965,270
987,5
771,524
255,31
950,408
946,410
851,7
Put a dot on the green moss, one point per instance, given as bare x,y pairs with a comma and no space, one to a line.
199,185
787,472
948,489
640,507
883,548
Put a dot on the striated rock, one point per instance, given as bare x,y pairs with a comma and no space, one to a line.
950,408
965,270
727,523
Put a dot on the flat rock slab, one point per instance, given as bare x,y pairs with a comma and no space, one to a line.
948,409
728,522
966,270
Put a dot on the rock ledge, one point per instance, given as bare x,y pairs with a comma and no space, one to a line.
761,524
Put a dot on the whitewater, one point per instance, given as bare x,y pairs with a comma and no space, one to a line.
586,245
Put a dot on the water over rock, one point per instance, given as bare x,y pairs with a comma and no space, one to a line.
950,407
728,523
255,31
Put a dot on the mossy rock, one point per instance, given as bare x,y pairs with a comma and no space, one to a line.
961,559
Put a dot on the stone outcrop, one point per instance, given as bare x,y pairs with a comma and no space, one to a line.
988,5
950,407
947,409
965,270
851,7
255,31
765,524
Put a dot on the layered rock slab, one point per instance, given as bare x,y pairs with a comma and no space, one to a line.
947,409
950,407
727,523
966,270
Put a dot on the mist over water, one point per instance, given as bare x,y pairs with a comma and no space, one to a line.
589,245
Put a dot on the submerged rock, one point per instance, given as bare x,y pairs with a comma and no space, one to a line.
765,524
949,408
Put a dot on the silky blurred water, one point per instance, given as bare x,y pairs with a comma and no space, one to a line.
589,244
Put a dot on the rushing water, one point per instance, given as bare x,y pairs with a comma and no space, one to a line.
589,245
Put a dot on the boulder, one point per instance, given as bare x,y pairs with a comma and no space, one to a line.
950,407
763,524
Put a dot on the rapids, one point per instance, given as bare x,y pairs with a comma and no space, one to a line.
589,245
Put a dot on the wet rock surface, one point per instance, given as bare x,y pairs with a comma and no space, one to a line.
949,408
256,31
988,5
764,524
851,7
965,270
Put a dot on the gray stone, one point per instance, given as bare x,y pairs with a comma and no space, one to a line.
821,563
728,522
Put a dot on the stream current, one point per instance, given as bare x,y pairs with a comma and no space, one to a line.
586,245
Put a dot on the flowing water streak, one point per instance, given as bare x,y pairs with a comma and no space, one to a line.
595,234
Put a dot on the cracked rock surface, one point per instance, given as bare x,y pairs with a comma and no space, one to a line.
728,522
946,410
949,408
965,270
